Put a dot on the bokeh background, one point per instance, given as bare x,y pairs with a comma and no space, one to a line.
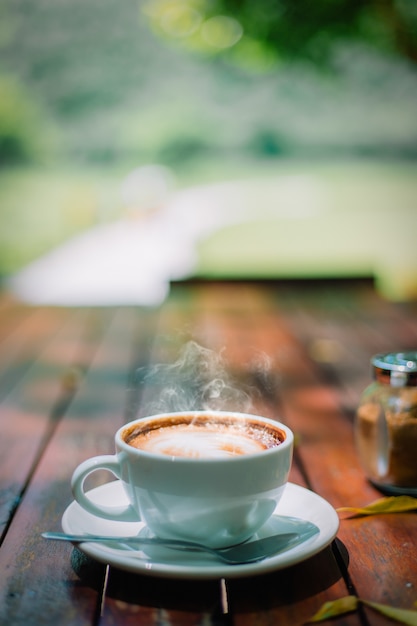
307,110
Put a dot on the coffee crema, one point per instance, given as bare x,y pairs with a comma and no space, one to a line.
203,437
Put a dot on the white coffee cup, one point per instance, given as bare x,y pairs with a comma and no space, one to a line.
209,476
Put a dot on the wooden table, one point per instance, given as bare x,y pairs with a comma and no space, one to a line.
70,378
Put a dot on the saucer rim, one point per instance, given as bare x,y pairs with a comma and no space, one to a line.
137,565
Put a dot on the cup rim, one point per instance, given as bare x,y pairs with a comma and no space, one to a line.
287,443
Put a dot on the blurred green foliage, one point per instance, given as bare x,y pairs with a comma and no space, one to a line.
111,84
110,91
286,29
21,139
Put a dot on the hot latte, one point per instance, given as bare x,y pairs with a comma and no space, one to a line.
203,436
214,477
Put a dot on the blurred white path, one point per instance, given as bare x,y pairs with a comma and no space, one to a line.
131,261
302,229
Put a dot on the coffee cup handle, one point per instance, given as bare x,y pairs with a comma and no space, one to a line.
115,513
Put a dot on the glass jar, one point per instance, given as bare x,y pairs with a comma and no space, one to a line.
386,424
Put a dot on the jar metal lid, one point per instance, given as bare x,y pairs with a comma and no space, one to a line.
398,369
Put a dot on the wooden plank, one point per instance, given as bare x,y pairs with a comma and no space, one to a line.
209,329
314,408
132,598
24,335
311,407
87,428
341,331
149,601
265,337
289,597
12,313
29,411
239,323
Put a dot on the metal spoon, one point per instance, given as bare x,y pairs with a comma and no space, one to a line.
248,552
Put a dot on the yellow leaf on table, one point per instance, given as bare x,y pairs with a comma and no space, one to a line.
348,604
403,616
335,608
393,504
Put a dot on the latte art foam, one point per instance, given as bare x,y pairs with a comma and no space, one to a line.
204,438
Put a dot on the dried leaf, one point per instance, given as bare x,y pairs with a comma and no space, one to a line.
403,616
393,504
348,604
335,608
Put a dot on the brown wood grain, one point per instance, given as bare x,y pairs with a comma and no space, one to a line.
298,355
23,338
41,586
35,400
86,429
241,322
317,410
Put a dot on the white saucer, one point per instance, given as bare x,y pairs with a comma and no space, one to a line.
165,562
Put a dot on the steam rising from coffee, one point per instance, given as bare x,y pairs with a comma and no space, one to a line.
198,380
